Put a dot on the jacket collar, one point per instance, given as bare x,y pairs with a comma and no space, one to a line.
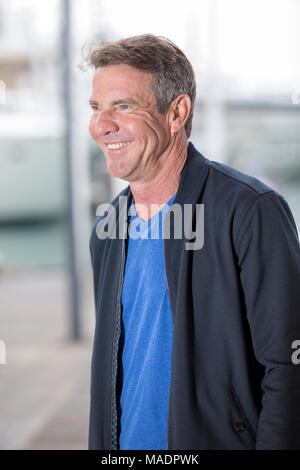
192,177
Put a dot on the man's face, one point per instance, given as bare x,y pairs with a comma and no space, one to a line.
126,124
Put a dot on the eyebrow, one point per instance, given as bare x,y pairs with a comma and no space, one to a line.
119,101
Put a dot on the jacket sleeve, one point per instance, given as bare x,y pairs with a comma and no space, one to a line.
269,260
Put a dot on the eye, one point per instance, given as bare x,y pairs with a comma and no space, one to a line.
94,107
124,106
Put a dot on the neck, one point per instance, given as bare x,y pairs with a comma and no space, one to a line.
152,194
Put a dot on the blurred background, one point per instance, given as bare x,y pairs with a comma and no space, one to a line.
52,175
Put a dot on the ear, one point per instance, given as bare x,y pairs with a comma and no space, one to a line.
179,111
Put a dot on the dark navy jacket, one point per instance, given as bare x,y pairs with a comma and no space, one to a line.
236,314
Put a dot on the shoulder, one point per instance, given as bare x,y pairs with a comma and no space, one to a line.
232,197
238,179
222,178
253,203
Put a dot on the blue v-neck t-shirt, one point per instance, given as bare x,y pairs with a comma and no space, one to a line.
147,329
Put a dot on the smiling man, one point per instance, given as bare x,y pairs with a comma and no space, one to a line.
141,145
192,348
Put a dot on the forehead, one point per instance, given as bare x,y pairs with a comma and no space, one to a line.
112,81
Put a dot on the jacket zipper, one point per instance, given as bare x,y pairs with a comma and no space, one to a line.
117,331
173,318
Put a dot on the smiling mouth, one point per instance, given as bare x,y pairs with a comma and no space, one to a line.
119,145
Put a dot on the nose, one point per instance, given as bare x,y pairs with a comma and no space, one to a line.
102,124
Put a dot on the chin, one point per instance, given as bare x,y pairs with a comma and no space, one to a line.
117,173
124,172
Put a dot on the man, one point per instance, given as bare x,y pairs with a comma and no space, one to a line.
193,344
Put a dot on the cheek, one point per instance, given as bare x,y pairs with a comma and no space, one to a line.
143,129
133,126
158,133
157,126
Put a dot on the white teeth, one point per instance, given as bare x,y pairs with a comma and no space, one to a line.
118,146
